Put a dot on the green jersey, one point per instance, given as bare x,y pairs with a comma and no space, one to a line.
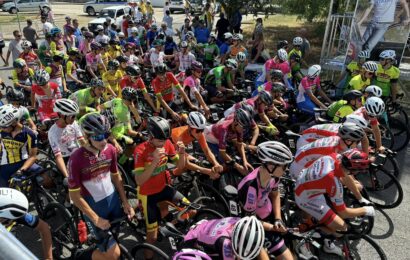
217,75
122,116
334,107
85,100
210,51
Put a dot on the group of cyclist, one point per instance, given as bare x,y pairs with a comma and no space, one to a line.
101,124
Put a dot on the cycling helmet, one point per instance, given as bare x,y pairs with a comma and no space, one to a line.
355,159
282,55
364,55
231,63
240,36
110,116
25,45
159,128
8,115
13,203
66,107
122,59
374,106
161,68
113,65
15,95
73,51
129,93
241,56
133,70
196,65
95,46
388,54
374,90
350,131
282,44
276,74
88,35
129,45
114,42
248,108
212,35
235,37
94,124
184,44
196,120
58,57
274,152
352,95
191,254
157,43
54,31
190,34
41,77
314,71
265,97
97,83
99,28
134,30
370,66
228,35
357,120
243,118
278,87
19,63
297,41
248,237
154,26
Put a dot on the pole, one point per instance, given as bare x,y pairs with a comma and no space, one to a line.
11,248
325,38
17,14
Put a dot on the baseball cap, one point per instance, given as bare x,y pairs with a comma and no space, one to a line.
68,17
100,27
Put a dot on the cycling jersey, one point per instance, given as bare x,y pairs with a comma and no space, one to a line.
272,65
298,54
64,140
250,101
317,132
24,114
71,70
363,113
217,76
308,153
210,51
16,149
307,85
357,83
138,85
384,78
321,178
353,68
334,107
56,47
85,100
185,60
234,50
182,134
221,133
93,61
22,77
214,236
56,74
31,59
91,174
159,177
164,88
46,99
122,117
194,85
342,113
112,80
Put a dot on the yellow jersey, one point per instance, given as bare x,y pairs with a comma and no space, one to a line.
357,83
384,78
113,80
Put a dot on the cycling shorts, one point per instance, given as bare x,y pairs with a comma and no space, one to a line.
307,106
274,242
317,207
6,171
46,116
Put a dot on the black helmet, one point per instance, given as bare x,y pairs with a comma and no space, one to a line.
122,59
282,44
248,108
113,65
276,74
133,70
15,95
129,93
243,118
278,87
352,95
94,124
159,128
161,68
265,97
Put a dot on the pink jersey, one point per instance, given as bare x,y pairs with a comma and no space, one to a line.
272,65
46,100
363,113
194,85
316,132
221,133
93,60
307,85
254,197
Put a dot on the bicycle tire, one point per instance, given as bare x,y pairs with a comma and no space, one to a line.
143,246
392,165
64,232
378,249
208,212
400,132
125,254
40,203
205,189
364,223
126,179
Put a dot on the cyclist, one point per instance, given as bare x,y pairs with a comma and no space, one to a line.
72,80
387,75
195,131
18,145
133,79
306,99
184,58
57,43
235,48
361,81
353,100
295,58
229,238
65,135
218,81
151,175
88,99
43,96
95,185
29,55
56,71
258,194
14,210
276,76
16,98
111,79
324,178
279,62
211,50
372,91
22,75
94,60
242,60
163,85
230,129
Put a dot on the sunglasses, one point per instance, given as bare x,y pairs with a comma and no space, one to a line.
199,130
101,137
370,73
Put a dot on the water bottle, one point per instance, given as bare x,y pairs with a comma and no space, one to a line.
82,231
249,89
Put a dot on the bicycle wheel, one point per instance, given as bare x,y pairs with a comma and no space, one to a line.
219,203
158,254
41,199
392,165
387,137
364,248
362,224
400,132
125,255
63,230
126,179
383,189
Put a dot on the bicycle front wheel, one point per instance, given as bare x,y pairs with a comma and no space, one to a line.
364,248
158,254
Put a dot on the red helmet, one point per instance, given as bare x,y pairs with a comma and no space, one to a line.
355,160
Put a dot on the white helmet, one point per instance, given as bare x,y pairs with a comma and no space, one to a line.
66,107
358,120
196,120
370,66
212,35
314,71
364,55
8,115
134,30
374,106
25,45
282,54
388,54
374,90
241,56
274,152
247,238
297,41
228,35
184,44
13,203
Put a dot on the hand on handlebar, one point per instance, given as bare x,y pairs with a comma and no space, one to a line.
102,223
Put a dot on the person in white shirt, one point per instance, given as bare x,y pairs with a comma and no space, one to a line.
168,19
46,25
166,7
165,30
101,37
138,14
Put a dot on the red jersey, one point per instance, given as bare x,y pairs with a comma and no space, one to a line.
30,58
139,84
46,101
164,88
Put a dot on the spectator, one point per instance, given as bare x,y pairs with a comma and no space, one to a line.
101,37
107,26
166,8
168,19
112,33
170,46
208,16
151,35
305,45
222,26
257,47
47,26
67,24
130,25
150,12
2,45
125,25
121,37
69,38
202,33
195,22
258,28
138,14
236,21
186,27
165,30
77,32
14,47
31,34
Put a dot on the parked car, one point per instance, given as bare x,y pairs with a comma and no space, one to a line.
116,13
2,2
26,6
95,6
178,6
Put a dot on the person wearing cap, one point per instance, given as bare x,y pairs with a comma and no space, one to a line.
224,47
101,37
121,38
184,29
152,34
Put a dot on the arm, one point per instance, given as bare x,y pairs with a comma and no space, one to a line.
119,186
377,136
365,144
165,105
33,100
255,135
315,99
323,95
202,103
275,200
82,205
365,15
31,159
141,178
46,240
351,185
185,97
148,98
258,52
61,165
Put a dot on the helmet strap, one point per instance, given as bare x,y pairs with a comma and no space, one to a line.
265,165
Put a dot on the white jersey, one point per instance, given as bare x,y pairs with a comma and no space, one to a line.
384,10
64,141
